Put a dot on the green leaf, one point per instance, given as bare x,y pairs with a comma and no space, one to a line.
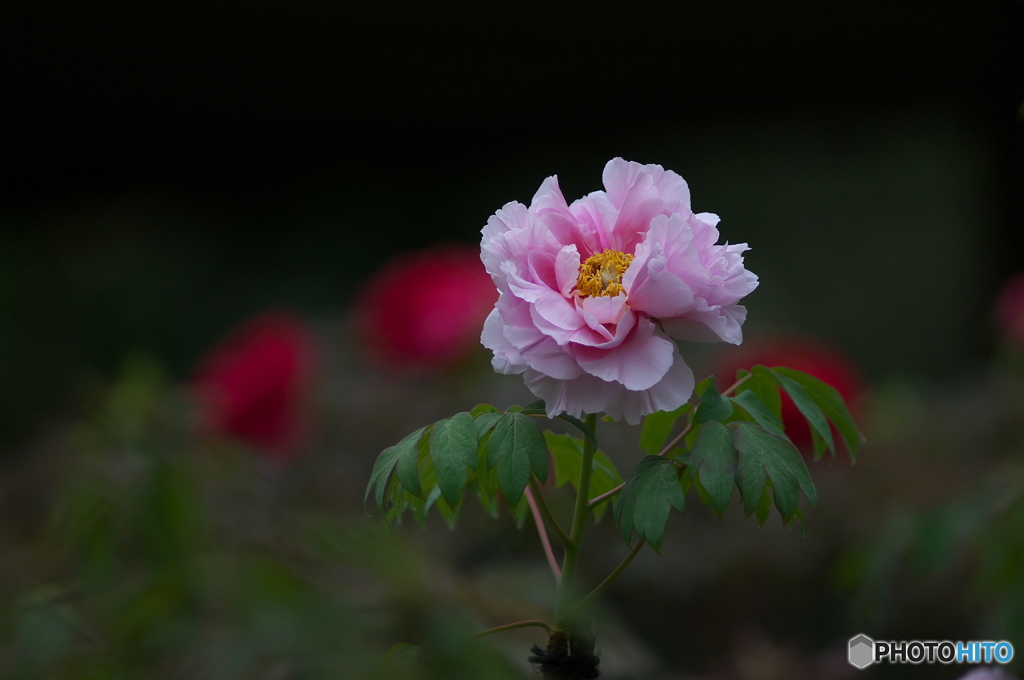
766,387
535,406
712,405
485,422
763,454
386,462
480,409
408,468
579,425
831,404
763,507
646,500
713,464
759,411
567,455
516,447
453,452
657,426
520,512
808,407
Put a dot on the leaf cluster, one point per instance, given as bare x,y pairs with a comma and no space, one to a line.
734,442
486,453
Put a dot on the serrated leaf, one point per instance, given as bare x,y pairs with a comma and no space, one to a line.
647,498
759,411
657,427
515,448
713,464
567,456
386,462
763,454
453,452
712,405
832,405
807,407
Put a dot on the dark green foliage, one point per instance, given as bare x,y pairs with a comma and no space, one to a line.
831,403
713,465
516,448
567,455
712,406
765,455
487,452
453,451
657,426
645,501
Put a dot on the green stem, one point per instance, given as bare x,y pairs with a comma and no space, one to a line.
597,500
518,624
579,522
612,576
736,384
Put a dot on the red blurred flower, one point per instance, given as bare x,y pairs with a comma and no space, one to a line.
1009,311
823,361
426,309
254,382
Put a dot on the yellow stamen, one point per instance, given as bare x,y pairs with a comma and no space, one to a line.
601,274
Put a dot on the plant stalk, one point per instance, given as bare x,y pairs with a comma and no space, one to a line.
579,521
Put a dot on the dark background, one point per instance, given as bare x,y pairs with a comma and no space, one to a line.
174,167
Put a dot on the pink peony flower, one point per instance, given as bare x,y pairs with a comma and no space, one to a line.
425,309
253,383
591,295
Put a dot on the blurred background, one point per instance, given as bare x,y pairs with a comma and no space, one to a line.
220,224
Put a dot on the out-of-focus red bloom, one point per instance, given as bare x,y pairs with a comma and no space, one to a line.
823,361
1009,310
426,309
254,382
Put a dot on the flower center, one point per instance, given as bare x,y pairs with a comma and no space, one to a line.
601,274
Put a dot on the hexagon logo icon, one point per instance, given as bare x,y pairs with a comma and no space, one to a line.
862,651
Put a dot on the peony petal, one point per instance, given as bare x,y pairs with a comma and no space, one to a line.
549,304
535,349
654,290
714,325
507,359
550,208
567,269
576,397
597,334
671,392
604,309
638,363
595,215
